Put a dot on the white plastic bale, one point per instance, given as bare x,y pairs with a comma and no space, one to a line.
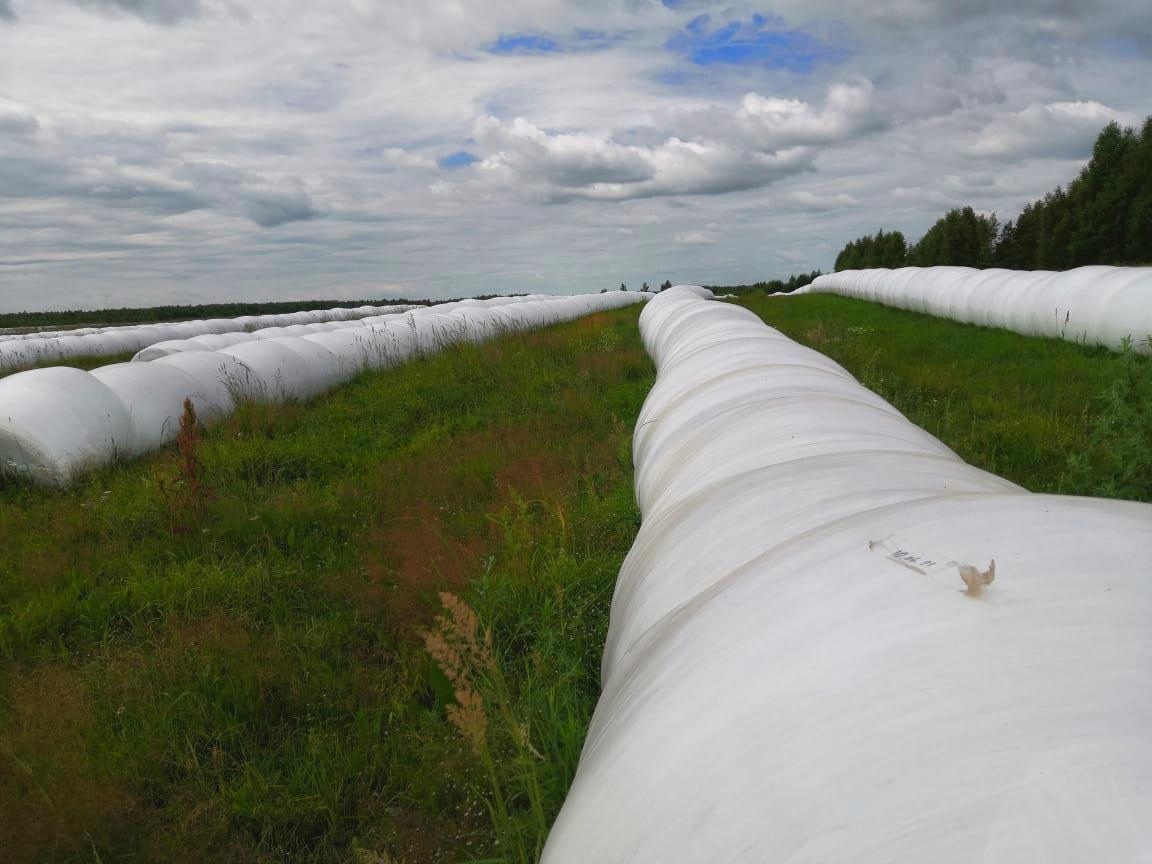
1127,299
105,341
187,329
217,325
66,347
805,663
143,404
206,342
58,422
350,347
17,354
153,395
1096,305
279,374
216,342
324,368
431,330
147,335
680,553
696,290
474,325
501,320
298,329
390,343
674,411
220,380
824,704
167,331
166,347
772,431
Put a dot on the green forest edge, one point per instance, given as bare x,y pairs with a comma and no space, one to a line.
1104,216
368,628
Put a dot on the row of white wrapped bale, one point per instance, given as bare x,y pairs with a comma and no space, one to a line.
808,660
58,422
20,351
217,341
1092,305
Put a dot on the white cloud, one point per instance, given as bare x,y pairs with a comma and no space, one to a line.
725,149
200,149
580,160
1058,129
401,158
847,113
821,202
694,238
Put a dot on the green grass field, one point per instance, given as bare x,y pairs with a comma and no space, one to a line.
253,663
240,676
1017,406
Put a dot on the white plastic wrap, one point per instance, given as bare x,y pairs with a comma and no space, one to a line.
1093,305
153,395
812,657
426,324
19,351
58,422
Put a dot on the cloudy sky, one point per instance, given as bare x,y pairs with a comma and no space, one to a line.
193,150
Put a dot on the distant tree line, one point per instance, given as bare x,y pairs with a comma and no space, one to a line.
644,289
882,250
126,315
772,286
152,314
1104,216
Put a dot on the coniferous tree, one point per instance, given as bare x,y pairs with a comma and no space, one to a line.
1137,177
1104,216
960,238
1099,200
882,250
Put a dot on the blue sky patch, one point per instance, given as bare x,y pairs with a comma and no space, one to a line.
551,43
524,43
594,40
760,41
459,159
672,76
1123,47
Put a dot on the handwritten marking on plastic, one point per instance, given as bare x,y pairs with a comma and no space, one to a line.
974,579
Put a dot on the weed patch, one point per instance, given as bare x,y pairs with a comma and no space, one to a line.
1117,463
